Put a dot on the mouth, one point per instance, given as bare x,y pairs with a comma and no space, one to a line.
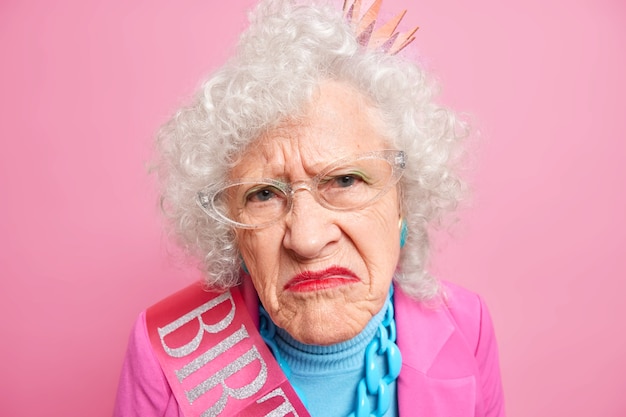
308,281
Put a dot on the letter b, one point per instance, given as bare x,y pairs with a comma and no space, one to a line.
192,345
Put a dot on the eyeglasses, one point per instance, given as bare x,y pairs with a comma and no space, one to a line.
350,183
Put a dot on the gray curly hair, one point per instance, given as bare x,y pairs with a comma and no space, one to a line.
288,49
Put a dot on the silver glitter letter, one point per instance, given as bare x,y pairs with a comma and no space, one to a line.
190,347
220,379
285,408
212,353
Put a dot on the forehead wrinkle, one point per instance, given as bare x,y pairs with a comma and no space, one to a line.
293,152
272,155
338,122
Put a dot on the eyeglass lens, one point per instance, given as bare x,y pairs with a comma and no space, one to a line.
345,187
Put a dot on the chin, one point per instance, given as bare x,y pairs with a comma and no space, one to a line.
323,322
324,334
322,340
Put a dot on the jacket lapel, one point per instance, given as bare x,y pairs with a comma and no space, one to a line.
438,371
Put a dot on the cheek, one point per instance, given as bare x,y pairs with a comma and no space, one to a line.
378,228
377,239
260,250
253,244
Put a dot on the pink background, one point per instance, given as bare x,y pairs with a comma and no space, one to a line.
84,85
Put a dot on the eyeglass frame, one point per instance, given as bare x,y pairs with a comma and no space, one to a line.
206,197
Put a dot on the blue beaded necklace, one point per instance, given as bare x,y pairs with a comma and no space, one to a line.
375,383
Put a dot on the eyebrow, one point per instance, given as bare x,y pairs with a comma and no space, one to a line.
310,170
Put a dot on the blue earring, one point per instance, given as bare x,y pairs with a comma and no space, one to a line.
404,231
244,267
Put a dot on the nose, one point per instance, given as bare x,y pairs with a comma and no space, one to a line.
310,229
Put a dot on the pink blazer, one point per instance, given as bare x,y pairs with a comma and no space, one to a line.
449,362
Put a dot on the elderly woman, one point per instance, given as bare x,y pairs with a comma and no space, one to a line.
306,174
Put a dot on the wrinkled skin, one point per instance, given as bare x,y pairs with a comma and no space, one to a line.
339,122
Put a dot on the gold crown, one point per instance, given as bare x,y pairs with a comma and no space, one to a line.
385,37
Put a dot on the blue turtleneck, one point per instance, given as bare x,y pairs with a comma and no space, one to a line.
328,376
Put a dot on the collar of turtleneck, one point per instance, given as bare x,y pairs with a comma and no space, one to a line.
326,377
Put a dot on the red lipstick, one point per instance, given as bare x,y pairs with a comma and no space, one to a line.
320,280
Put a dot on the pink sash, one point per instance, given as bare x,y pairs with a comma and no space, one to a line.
215,359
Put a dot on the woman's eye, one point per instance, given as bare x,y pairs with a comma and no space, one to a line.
261,195
346,180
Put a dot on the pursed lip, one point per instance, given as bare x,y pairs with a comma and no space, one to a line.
321,280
